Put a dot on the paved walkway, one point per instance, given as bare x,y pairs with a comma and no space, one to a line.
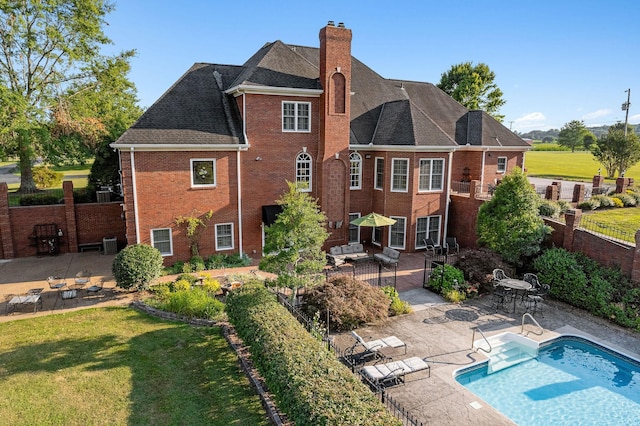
436,331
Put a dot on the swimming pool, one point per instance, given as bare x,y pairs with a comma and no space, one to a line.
573,381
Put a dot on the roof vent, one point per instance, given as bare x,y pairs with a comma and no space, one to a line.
340,24
330,24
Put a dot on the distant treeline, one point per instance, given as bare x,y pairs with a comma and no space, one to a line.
553,133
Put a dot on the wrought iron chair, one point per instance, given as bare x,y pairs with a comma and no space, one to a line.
537,298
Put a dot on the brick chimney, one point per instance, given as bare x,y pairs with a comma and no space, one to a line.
335,118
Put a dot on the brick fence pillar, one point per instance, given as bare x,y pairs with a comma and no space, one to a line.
635,272
572,218
473,187
578,193
551,193
70,215
6,237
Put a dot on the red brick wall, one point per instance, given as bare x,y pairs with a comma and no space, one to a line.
90,223
463,216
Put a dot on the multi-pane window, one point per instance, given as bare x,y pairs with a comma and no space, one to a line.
224,236
376,235
399,175
502,164
397,232
379,178
303,172
355,171
427,227
161,239
354,230
203,172
431,174
296,116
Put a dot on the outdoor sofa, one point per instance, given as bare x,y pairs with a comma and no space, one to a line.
339,254
388,255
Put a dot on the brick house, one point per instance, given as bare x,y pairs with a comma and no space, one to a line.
227,138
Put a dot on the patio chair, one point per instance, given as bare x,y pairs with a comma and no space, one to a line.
501,296
533,300
451,244
394,372
82,279
432,247
498,274
96,288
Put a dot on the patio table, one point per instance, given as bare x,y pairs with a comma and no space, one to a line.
518,286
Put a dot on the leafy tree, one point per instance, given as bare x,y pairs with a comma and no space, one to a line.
193,226
547,139
49,62
293,243
588,140
474,87
509,223
615,152
572,134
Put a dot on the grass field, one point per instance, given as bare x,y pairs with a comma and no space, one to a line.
579,166
118,366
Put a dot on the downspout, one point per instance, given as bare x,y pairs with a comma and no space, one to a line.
135,196
239,177
484,153
446,211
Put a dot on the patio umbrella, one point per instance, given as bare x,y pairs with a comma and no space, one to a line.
373,220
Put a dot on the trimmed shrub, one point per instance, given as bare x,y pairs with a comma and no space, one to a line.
590,204
136,266
626,199
617,202
39,200
477,267
443,280
549,208
398,306
310,385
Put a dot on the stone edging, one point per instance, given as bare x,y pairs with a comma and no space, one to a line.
236,344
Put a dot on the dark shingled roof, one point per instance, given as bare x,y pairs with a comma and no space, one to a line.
384,112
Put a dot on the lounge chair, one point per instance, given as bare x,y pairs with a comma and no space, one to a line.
432,247
451,245
394,372
371,348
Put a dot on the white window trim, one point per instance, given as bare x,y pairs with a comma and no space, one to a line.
153,243
430,160
358,159
310,188
295,117
379,186
205,185
218,248
505,165
393,163
357,227
404,232
373,233
420,242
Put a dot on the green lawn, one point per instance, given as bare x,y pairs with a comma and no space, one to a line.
580,166
119,366
624,219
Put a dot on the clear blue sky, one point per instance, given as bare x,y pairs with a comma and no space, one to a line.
555,61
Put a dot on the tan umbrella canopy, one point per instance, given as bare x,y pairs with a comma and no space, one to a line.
373,220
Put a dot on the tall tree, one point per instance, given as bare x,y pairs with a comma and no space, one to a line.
293,244
572,134
474,87
616,152
49,51
509,223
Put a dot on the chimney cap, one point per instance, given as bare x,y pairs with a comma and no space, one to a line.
340,24
330,24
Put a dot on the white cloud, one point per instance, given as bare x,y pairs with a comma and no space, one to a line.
634,118
596,114
531,121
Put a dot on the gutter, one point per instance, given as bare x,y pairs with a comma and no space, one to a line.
448,203
135,195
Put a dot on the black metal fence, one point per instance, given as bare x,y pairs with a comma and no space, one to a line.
375,273
316,330
606,231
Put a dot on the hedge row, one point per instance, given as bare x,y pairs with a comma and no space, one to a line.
311,386
581,282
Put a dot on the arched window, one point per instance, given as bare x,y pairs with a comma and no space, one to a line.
339,92
355,160
303,172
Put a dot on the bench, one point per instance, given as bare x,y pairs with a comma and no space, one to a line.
339,254
388,255
89,246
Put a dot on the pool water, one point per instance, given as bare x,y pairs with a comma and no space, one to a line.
573,381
